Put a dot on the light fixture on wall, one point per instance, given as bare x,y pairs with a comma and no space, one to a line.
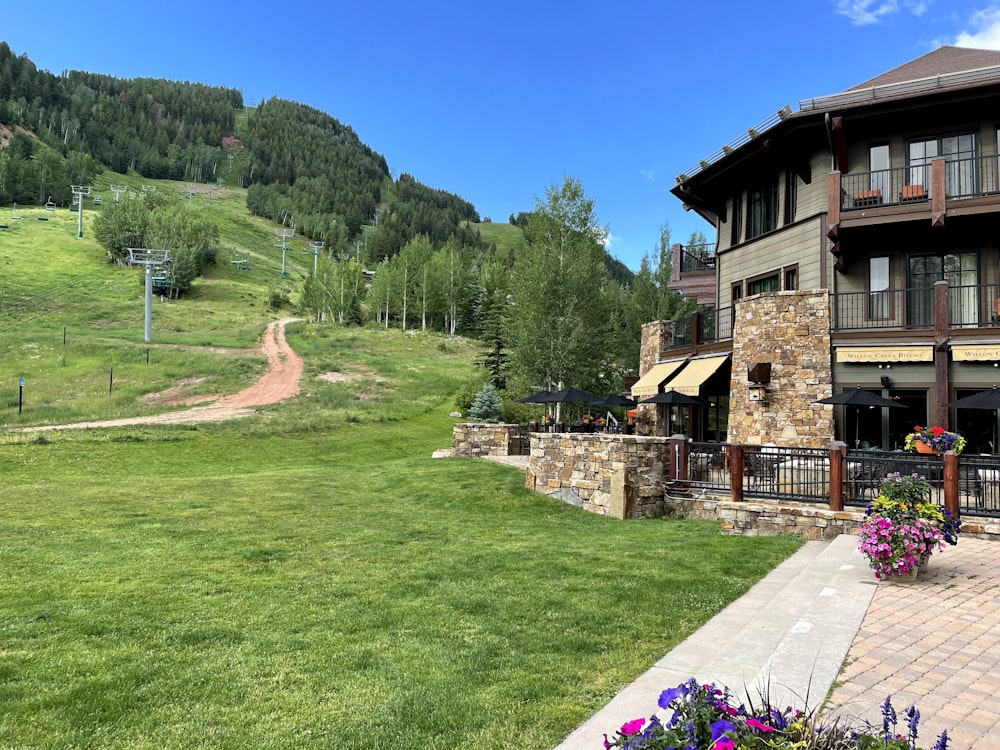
885,366
885,381
759,375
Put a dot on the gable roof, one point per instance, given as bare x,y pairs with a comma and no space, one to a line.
945,59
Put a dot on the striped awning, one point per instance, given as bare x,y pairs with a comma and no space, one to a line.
697,371
649,384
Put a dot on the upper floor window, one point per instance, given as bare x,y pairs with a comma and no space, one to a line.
878,288
960,153
791,278
878,166
791,196
737,225
763,209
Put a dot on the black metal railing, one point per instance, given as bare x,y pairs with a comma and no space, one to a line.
972,306
697,258
717,325
804,474
708,466
964,178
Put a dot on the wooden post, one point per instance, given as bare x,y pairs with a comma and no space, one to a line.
942,329
736,472
951,483
678,450
838,459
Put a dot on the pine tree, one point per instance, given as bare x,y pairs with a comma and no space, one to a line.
486,405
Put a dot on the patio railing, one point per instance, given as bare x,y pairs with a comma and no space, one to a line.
805,475
972,306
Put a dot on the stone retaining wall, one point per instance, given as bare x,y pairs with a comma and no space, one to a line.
478,439
768,518
614,475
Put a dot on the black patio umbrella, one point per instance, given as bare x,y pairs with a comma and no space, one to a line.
542,397
671,398
615,400
858,398
988,400
572,396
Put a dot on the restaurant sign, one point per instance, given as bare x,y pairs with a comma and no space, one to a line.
976,353
864,354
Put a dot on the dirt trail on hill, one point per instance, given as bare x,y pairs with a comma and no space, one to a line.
279,382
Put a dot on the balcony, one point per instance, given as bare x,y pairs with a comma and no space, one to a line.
696,258
913,309
915,185
694,276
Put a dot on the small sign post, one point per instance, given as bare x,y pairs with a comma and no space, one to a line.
20,395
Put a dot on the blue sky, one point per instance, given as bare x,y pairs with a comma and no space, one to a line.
495,102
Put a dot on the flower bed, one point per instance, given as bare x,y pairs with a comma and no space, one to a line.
705,717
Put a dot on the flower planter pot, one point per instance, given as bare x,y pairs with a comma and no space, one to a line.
922,447
910,577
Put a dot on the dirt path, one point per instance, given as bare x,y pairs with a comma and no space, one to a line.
279,382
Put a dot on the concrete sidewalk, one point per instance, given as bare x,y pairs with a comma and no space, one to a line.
934,643
786,637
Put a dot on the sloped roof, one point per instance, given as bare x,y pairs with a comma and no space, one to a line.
943,60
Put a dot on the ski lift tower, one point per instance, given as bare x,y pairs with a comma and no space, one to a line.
78,192
118,190
316,247
150,259
284,234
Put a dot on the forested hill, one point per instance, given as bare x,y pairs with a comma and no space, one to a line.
303,167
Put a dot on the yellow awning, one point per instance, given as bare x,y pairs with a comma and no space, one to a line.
975,352
689,380
649,384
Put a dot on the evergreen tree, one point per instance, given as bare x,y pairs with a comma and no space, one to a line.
486,405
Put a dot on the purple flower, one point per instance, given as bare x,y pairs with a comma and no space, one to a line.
669,695
720,727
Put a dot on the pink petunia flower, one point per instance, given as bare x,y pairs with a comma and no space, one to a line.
631,727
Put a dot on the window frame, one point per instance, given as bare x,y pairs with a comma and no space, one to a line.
762,208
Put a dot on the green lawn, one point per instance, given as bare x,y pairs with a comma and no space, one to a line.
309,576
342,590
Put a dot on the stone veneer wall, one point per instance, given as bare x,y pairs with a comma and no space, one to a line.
656,337
614,475
477,439
791,330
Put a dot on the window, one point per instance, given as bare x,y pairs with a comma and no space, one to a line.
737,225
961,166
791,278
763,284
960,270
737,292
878,289
791,196
878,165
763,209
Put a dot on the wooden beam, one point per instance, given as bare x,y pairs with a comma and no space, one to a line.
840,143
938,186
833,206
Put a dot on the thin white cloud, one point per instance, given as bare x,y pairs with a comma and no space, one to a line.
608,239
986,30
649,174
866,12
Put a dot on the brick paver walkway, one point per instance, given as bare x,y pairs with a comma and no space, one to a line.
934,644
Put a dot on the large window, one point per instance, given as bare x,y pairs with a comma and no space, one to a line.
960,270
878,165
763,209
961,167
763,284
